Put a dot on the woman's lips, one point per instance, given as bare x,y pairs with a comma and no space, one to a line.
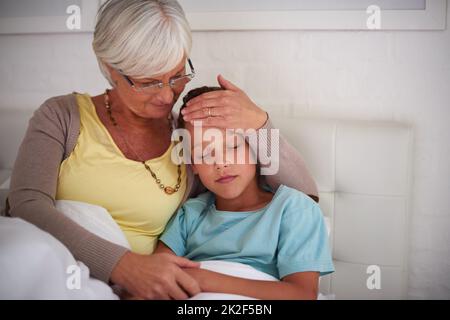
226,179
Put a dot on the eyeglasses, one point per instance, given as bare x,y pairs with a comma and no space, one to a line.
176,83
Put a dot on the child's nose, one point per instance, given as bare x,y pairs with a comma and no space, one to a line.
222,165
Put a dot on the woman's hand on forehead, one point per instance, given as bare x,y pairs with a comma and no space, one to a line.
227,108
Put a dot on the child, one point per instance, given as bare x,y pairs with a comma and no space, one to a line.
282,233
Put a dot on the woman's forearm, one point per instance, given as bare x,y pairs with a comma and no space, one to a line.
292,170
266,290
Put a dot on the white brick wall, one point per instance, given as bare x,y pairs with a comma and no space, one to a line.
402,76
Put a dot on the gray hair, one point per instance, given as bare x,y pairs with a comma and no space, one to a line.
141,37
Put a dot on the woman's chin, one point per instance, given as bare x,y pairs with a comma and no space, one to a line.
156,112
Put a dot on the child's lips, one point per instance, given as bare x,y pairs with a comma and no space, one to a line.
226,179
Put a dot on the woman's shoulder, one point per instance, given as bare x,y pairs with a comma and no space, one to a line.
62,104
59,118
61,110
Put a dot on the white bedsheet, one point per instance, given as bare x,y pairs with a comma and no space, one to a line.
231,269
237,270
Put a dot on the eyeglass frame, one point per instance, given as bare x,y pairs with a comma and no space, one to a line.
159,84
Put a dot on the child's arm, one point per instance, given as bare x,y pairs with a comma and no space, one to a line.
300,285
162,248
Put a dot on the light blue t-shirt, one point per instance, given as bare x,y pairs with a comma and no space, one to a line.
286,236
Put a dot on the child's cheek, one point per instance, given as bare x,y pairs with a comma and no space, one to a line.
204,171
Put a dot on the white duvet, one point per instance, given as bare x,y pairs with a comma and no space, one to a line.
35,265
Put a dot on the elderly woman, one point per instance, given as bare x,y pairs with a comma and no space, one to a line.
113,149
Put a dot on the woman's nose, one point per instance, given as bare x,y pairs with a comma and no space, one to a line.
166,95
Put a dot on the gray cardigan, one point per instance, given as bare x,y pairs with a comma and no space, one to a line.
50,138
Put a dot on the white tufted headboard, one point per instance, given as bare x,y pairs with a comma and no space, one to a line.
363,173
362,170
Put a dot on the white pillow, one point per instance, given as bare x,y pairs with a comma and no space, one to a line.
95,219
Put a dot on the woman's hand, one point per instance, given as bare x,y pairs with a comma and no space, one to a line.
229,108
156,276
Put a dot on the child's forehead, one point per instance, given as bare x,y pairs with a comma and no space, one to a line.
204,134
202,129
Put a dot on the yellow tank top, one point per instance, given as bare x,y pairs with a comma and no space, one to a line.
97,172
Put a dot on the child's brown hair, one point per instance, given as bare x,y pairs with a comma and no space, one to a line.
191,95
